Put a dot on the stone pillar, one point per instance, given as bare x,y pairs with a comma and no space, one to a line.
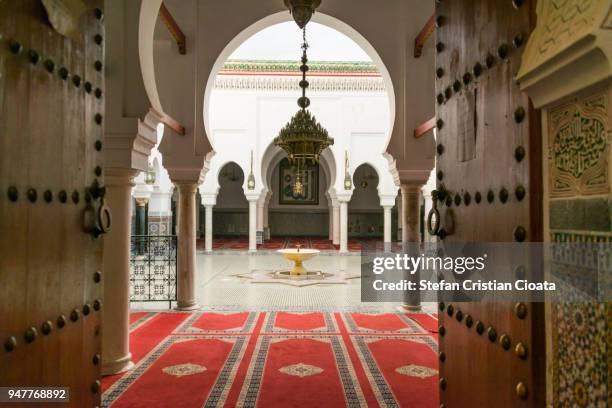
142,226
253,225
260,220
411,200
343,227
387,226
116,356
186,224
141,216
330,223
411,197
266,220
208,233
198,202
336,226
400,219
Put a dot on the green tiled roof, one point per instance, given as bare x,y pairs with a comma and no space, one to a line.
362,67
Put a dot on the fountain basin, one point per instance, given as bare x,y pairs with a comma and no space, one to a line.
298,256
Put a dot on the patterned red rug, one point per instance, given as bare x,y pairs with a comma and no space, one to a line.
277,359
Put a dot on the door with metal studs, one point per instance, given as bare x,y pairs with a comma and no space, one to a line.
52,209
489,182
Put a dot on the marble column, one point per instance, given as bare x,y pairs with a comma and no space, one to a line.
198,203
336,226
330,223
252,225
411,203
266,220
208,232
142,225
260,219
186,245
387,226
141,216
400,219
343,227
116,356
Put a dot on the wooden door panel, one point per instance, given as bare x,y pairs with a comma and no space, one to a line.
49,155
483,369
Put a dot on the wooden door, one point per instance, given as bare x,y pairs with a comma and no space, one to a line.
51,111
491,354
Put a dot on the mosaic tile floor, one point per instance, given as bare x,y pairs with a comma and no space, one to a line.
217,287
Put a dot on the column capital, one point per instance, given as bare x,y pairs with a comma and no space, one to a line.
187,186
141,201
419,176
208,199
387,200
408,188
345,198
118,176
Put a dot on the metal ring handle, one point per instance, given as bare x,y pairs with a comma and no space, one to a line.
104,218
433,230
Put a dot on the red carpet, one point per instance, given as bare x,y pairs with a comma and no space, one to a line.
278,359
430,323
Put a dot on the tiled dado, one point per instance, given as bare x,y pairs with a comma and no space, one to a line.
581,214
580,209
571,236
580,329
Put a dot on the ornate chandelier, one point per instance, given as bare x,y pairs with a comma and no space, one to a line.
303,138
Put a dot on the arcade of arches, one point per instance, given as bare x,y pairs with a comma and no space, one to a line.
151,229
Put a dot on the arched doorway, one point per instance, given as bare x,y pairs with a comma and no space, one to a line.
231,215
365,214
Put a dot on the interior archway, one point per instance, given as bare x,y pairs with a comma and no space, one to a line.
231,216
365,214
283,17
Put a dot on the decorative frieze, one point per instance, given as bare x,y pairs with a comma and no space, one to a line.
285,83
578,147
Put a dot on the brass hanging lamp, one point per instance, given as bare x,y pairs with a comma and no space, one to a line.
303,138
302,10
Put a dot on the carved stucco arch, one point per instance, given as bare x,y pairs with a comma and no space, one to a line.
273,155
320,18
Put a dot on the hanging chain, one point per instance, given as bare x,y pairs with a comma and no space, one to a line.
305,43
304,59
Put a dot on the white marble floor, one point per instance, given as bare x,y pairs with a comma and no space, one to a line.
217,286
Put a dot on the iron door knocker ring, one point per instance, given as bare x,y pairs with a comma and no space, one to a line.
104,218
433,229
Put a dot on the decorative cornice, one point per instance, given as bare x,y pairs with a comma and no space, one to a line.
392,168
360,76
569,50
132,150
284,83
293,67
559,26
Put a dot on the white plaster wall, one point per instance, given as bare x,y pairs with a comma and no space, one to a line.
160,193
248,120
